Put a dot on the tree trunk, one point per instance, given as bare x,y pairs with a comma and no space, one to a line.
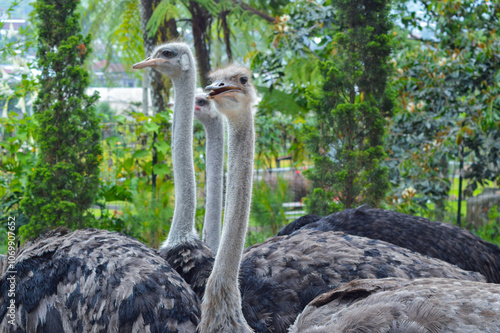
227,35
201,21
440,203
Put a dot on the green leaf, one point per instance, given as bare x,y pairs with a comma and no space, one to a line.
279,101
151,127
161,169
140,153
163,12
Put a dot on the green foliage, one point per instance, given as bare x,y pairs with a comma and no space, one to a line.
448,99
117,30
66,176
320,202
163,12
127,201
347,143
148,219
267,206
126,170
17,88
17,159
289,63
104,111
490,231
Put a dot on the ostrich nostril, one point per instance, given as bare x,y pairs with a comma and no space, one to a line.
221,84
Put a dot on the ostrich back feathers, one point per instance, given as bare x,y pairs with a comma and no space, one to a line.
279,277
409,306
96,280
434,239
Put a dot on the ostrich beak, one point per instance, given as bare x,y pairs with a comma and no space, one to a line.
219,88
149,62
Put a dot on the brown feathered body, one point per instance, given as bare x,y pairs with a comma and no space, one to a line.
427,305
434,239
95,281
279,277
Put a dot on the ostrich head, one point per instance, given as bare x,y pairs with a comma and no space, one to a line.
203,109
171,59
232,90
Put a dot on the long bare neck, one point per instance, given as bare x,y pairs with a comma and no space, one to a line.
214,129
182,229
221,308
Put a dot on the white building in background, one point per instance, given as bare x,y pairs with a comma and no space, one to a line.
119,99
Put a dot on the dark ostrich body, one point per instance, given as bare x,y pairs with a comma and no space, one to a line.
193,261
434,239
282,275
96,280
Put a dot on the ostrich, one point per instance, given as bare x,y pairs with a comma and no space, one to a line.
94,281
221,306
280,276
400,305
434,239
183,250
214,128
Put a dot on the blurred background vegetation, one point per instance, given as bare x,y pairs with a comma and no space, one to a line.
444,77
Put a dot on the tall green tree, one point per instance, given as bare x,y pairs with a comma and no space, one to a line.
66,176
448,102
347,144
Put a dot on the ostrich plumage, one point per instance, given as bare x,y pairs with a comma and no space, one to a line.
292,270
400,305
434,239
280,276
95,281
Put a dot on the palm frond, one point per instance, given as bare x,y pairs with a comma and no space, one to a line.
163,12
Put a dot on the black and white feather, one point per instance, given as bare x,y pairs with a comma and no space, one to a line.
279,277
434,239
96,281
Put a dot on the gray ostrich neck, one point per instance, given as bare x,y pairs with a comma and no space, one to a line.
214,129
221,308
238,195
182,229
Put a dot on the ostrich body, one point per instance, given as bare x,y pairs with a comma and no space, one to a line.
280,276
183,250
434,239
95,281
283,274
400,305
214,130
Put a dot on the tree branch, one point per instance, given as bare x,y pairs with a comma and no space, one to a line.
256,12
412,36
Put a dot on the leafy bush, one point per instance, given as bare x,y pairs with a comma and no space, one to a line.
149,219
63,185
267,215
490,232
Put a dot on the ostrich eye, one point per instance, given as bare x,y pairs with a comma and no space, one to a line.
168,53
243,79
201,102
